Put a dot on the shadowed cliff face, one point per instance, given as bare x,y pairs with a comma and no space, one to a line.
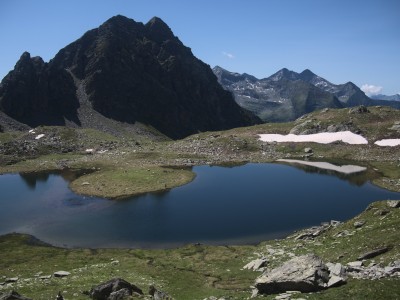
34,93
129,72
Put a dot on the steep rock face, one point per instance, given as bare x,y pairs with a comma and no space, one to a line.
280,97
129,72
135,72
35,93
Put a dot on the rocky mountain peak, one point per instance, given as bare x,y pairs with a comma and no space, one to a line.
128,72
159,30
307,75
284,74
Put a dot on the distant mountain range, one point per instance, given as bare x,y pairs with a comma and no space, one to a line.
287,95
385,97
125,71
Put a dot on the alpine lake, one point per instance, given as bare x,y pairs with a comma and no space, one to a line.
243,204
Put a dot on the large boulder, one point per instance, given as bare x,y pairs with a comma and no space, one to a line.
305,273
110,290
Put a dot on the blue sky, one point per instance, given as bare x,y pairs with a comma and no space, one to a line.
352,40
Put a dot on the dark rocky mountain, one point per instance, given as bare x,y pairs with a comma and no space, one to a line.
36,93
386,98
280,97
286,95
125,71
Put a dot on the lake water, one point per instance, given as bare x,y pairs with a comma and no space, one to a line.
238,205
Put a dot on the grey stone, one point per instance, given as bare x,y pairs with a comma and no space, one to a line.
12,279
256,264
354,266
359,110
336,269
61,274
335,281
120,294
359,224
157,294
104,290
305,273
45,277
373,253
393,203
13,295
308,150
391,270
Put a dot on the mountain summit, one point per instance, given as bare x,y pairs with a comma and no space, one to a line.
281,97
127,71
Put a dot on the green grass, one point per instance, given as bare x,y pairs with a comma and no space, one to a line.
126,182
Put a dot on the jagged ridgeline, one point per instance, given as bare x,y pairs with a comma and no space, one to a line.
127,71
287,95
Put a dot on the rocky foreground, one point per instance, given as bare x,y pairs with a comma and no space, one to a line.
357,259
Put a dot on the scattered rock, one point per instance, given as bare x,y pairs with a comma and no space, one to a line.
308,150
59,296
373,253
335,281
89,151
354,266
38,137
359,110
61,274
256,264
11,280
393,203
120,294
337,269
376,271
104,290
157,294
44,277
313,232
359,224
305,273
13,296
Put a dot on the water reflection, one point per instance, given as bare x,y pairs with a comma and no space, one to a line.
245,204
357,175
31,179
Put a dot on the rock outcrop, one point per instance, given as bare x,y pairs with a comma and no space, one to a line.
13,295
305,273
37,93
114,289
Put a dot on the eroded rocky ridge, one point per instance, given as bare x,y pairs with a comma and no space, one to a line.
126,71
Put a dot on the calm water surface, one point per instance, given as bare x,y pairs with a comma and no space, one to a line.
245,204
